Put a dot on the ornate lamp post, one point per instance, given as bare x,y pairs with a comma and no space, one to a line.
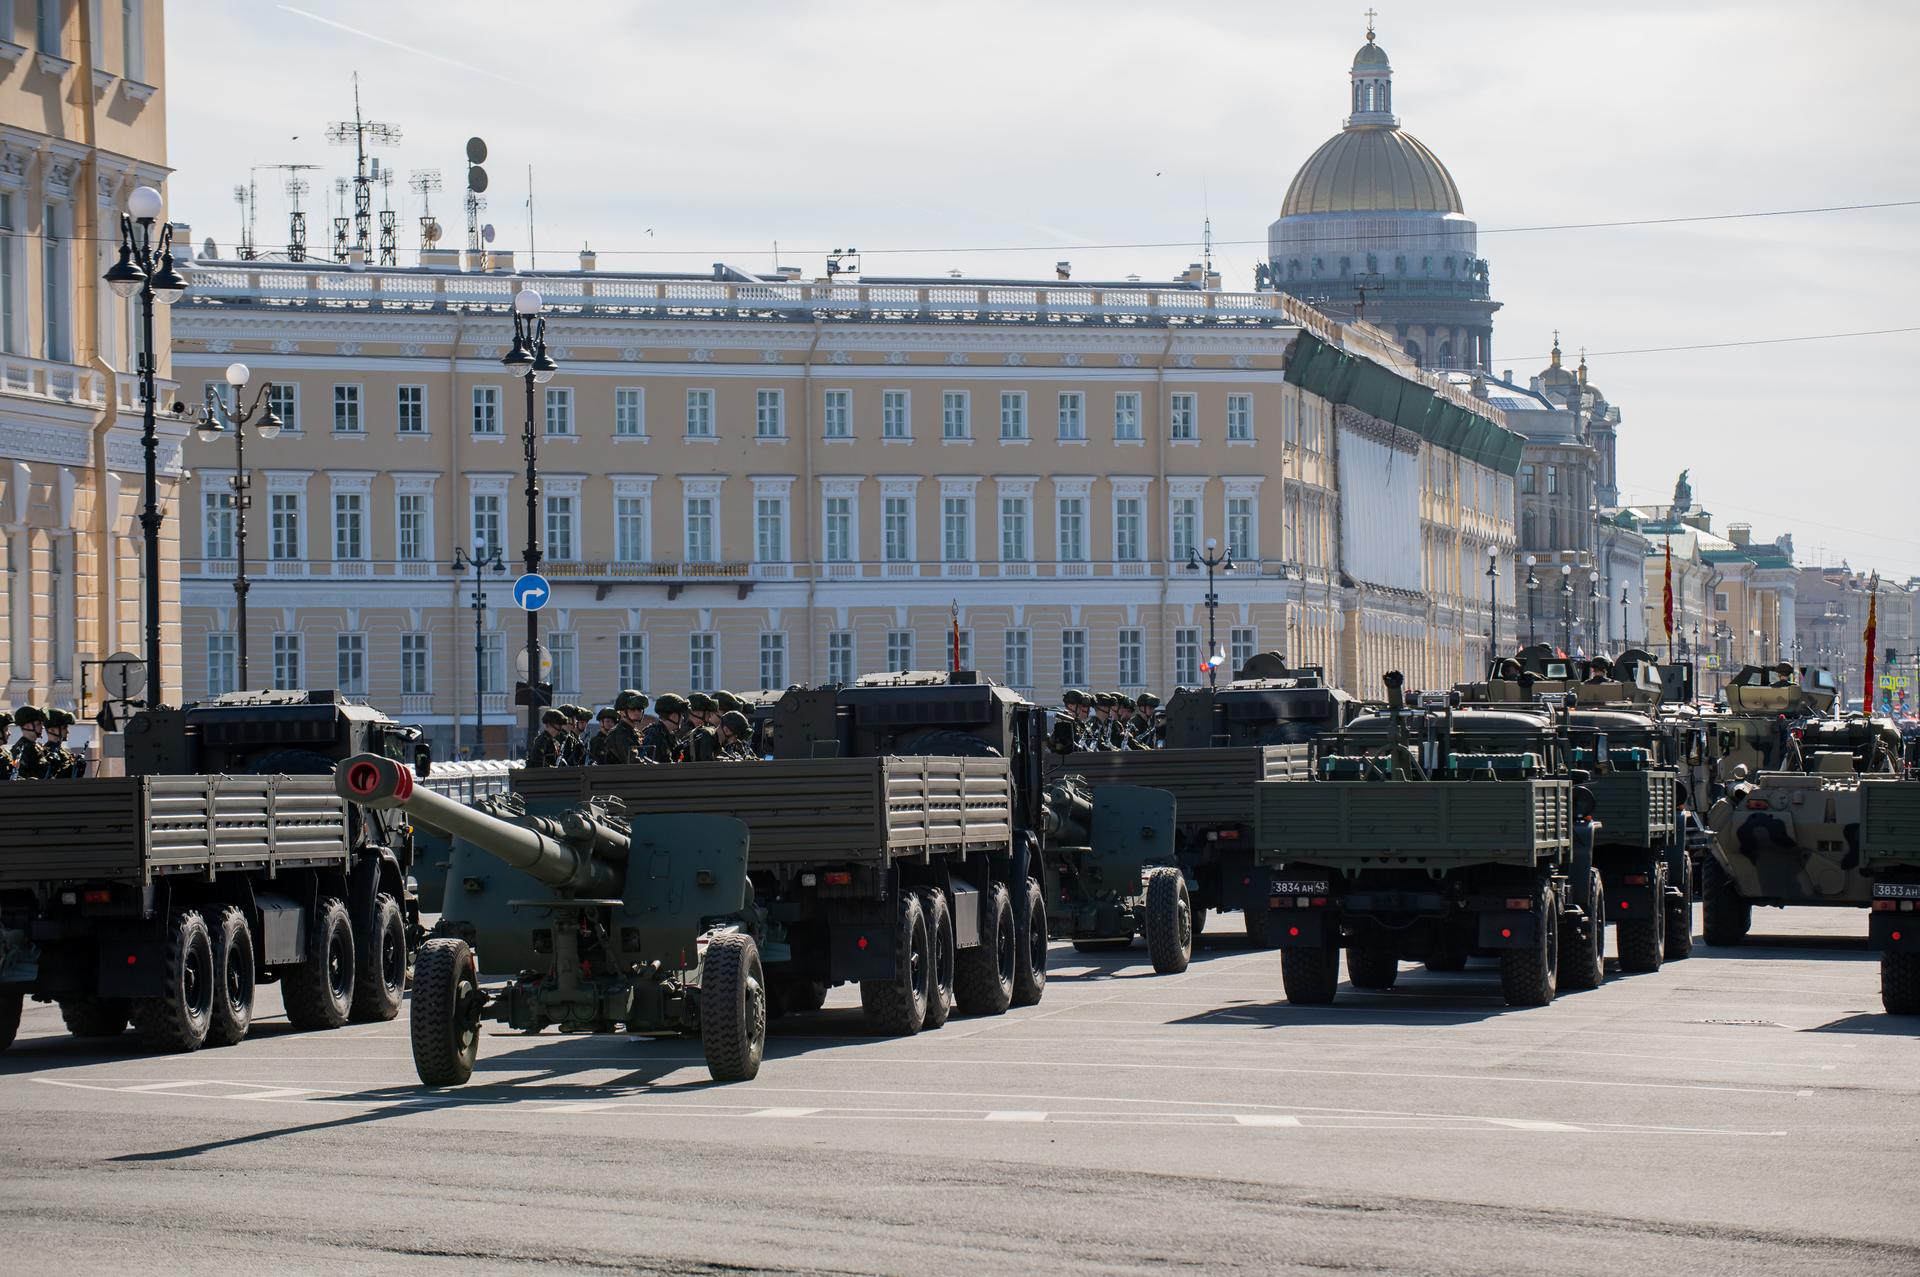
1626,635
1223,560
1566,608
1533,594
146,268
480,557
1593,610
216,419
1493,607
529,359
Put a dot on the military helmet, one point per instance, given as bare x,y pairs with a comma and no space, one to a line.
700,703
1147,700
579,713
29,714
729,702
1074,696
607,712
630,699
1103,698
1123,701
736,722
553,718
671,703
60,718
6,720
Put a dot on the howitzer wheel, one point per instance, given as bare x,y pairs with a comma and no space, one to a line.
1310,975
983,975
1583,957
233,977
1169,920
933,903
9,1017
445,1022
1030,956
733,1007
1900,983
380,966
1530,977
1725,915
896,1007
95,1017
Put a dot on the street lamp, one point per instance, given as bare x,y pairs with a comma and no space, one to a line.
1593,609
480,557
1223,560
1566,608
1626,635
1493,607
1533,593
217,419
146,267
529,359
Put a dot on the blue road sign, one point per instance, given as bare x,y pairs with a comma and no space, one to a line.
531,592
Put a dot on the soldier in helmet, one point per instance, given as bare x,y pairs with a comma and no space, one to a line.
736,737
30,752
702,741
728,703
578,716
1103,725
597,743
1078,706
1153,728
623,738
661,741
62,763
549,748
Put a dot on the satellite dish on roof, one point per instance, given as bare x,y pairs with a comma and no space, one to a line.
476,151
476,179
486,232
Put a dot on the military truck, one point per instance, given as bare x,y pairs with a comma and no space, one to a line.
1890,853
1792,834
223,861
1430,832
1220,742
894,842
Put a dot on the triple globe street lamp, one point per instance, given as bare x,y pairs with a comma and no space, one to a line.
1223,560
480,557
218,418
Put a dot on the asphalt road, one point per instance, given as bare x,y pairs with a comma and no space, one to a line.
1744,1111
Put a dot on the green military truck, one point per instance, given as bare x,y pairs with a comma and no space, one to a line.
223,861
1890,851
1220,743
1432,832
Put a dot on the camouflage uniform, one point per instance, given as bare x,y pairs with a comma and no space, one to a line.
62,763
659,743
702,742
549,749
739,749
30,759
597,743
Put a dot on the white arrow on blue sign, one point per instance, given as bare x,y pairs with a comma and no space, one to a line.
531,592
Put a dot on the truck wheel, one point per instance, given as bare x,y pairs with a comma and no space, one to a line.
233,977
9,1018
983,975
1372,968
319,992
1679,928
1030,958
1265,930
1448,954
178,1019
445,1023
933,903
1725,915
1310,976
1530,977
1899,984
1583,959
896,1007
380,965
1169,921
795,997
733,1008
96,1017
1199,923
1642,940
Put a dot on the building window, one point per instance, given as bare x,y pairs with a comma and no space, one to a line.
223,664
1013,414
1126,416
1180,417
283,528
1240,418
564,649
55,269
349,525
1719,601
899,649
836,414
1017,665
896,527
840,657
1073,658
630,518
350,666
773,662
631,661
956,421
699,414
629,412
1527,485
1126,529
559,521
289,670
1133,658
47,26
133,23
895,419
1240,527
700,539
1183,525
1071,521
216,524
410,410
412,527
10,281
1553,529
769,414
1013,529
1553,481
488,532
346,411
1528,527
839,529
486,410
1073,415
770,530
1186,656
416,678
492,674
956,529
1240,646
559,410
703,662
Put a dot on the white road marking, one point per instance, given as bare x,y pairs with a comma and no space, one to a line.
783,1112
1015,1115
1530,1124
1265,1119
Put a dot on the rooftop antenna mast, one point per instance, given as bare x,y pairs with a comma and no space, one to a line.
424,182
296,220
389,231
342,225
243,196
361,133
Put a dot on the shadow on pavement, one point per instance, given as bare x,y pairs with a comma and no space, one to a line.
1843,948
1893,1026
1130,963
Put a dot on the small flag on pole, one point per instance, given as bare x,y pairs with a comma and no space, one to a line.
955,614
1669,598
1868,693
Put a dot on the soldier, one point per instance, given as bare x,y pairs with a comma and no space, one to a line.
574,737
661,742
736,733
1154,728
1127,720
1103,735
702,741
62,763
6,755
549,749
1077,704
597,743
623,738
729,703
29,755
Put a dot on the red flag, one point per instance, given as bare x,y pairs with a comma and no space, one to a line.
1669,594
1867,694
955,612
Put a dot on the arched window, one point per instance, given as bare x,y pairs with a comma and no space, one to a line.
1526,527
1359,97
1413,349
1346,266
1553,529
1386,96
1400,265
1445,353
1293,268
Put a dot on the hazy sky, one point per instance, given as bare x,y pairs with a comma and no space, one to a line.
672,135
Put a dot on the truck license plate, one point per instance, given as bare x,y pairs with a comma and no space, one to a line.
1300,887
1896,891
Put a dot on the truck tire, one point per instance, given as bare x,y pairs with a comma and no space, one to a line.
1725,915
1199,923
1310,976
1169,921
10,1004
933,903
319,992
1679,928
1583,958
793,996
1264,929
897,1006
1448,954
96,1017
380,965
179,1018
444,1025
1642,939
733,1007
1530,977
1899,984
1372,968
233,976
1030,958
983,975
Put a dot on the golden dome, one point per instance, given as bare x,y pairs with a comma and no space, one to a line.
1371,168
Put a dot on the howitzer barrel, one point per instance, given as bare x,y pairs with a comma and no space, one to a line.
558,852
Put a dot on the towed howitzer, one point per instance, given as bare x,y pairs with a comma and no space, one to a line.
645,924
1102,844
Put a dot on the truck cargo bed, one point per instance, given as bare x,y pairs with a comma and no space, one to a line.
813,810
1209,786
1889,822
1438,822
1635,808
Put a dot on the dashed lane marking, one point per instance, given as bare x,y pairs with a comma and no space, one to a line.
1266,1119
1015,1115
